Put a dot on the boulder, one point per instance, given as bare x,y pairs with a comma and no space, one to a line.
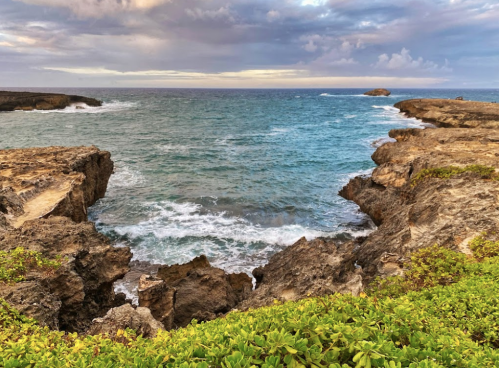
306,268
378,92
121,318
159,298
203,292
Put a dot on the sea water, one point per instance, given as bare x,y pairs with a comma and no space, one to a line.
236,175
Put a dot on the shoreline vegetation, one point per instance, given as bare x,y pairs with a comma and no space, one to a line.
419,291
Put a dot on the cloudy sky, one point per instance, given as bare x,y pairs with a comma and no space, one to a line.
249,43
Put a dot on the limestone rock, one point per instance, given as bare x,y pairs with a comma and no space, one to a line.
44,197
452,113
447,212
159,298
121,318
378,92
27,101
306,268
171,274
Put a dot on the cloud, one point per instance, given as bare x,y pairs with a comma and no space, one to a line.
98,8
404,61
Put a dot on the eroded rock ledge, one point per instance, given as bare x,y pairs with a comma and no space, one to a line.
44,196
27,101
447,212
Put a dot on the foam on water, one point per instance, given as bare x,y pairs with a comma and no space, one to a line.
233,243
82,108
124,177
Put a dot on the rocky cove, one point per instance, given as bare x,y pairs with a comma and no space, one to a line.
46,193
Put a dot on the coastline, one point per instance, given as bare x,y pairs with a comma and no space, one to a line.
409,217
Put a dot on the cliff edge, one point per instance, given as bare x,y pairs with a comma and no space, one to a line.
431,186
44,196
27,101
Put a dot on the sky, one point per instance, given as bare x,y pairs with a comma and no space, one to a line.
249,43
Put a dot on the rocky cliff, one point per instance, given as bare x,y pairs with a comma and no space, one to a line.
44,196
448,210
26,101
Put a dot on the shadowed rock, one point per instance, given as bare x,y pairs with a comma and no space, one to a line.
203,292
27,101
159,298
306,268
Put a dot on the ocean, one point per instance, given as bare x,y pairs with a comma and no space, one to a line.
236,175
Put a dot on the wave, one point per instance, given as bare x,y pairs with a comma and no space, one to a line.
178,232
82,108
125,177
387,108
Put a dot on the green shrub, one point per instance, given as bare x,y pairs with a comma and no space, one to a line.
15,264
453,324
485,172
483,248
428,267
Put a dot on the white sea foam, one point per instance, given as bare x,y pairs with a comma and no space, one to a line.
124,177
233,243
386,108
82,108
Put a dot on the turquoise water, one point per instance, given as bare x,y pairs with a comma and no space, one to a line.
233,174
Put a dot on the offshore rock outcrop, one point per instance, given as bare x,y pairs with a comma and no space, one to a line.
44,195
27,101
378,92
448,212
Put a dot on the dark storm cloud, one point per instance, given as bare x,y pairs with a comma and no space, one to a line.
60,41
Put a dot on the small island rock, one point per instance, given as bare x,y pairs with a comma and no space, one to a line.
378,92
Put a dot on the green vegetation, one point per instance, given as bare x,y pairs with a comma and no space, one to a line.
450,320
483,248
485,172
14,265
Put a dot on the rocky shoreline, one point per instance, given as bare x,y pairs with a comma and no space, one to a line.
46,192
28,101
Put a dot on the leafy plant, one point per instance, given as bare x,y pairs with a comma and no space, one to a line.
483,248
14,265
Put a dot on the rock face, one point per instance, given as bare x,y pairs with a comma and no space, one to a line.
307,268
26,101
447,212
201,291
155,295
378,92
140,320
452,113
44,197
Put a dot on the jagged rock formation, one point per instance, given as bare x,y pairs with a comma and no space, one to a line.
378,92
44,195
140,320
198,290
448,212
452,113
27,101
307,268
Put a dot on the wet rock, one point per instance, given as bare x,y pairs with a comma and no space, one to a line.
27,101
121,318
159,298
306,268
378,92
